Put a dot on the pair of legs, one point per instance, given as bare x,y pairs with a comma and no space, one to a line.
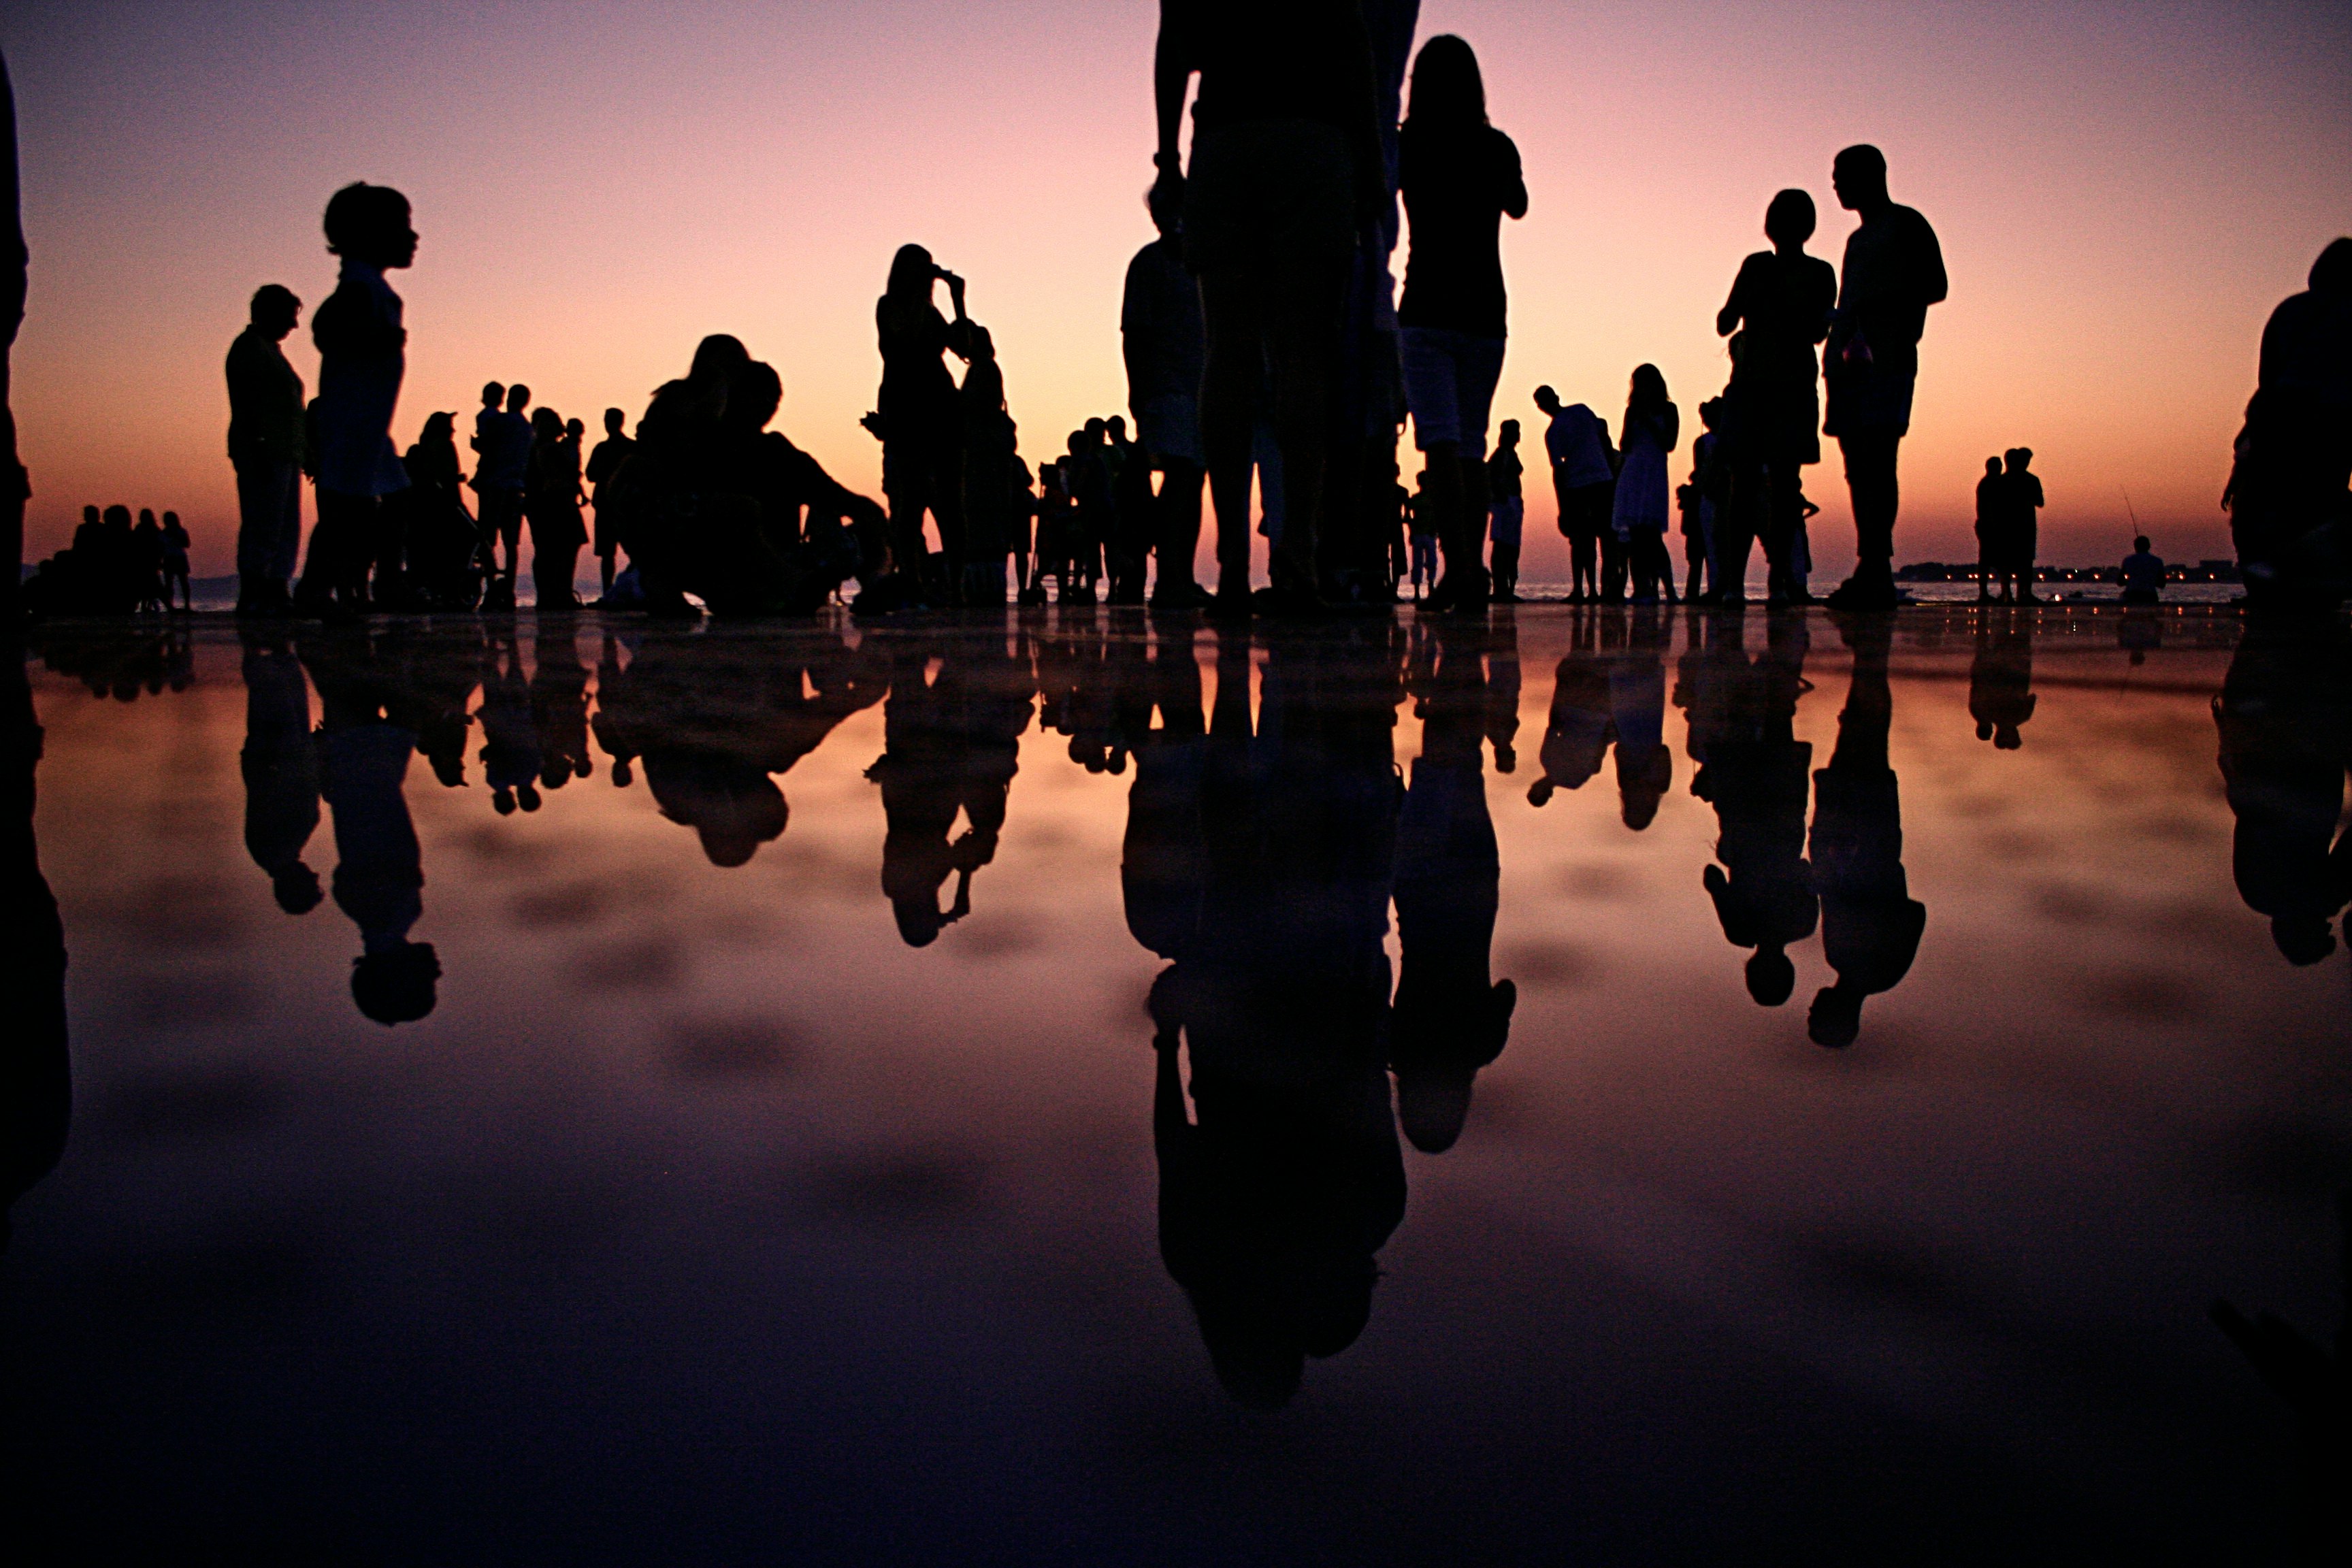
1449,381
269,533
1287,318
1424,562
342,547
1648,566
925,476
502,526
1177,536
1870,479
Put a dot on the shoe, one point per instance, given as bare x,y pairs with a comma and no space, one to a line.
1857,595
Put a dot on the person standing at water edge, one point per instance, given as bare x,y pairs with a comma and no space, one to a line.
2021,495
2143,573
363,355
264,448
501,475
918,417
1577,444
602,464
1459,176
1286,173
1165,344
1779,305
1653,427
1893,270
1507,509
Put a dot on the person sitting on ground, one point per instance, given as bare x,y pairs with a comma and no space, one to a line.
2143,573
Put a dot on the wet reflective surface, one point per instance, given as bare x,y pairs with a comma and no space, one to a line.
1590,1085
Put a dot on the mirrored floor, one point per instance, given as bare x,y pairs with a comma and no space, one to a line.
1589,1086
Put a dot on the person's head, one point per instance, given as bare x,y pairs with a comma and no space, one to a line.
912,272
754,396
2139,543
1835,1020
613,420
1076,444
439,429
118,517
1709,412
574,428
1859,175
1771,977
89,515
2302,940
983,384
146,518
370,225
2017,457
1992,465
518,398
1447,90
493,393
545,426
2332,273
1647,391
1547,400
1116,427
275,310
1789,220
1095,432
296,889
1165,201
1508,436
716,358
396,986
170,520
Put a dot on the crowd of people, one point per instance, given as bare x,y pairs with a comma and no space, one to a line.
1271,360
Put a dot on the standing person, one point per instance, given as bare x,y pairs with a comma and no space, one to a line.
2288,486
1507,509
988,443
444,546
1286,173
1421,526
1459,176
1711,478
175,565
264,448
1692,507
1164,342
147,563
2021,492
1992,550
363,355
1652,430
1779,305
552,502
501,477
1893,270
602,464
918,418
1577,443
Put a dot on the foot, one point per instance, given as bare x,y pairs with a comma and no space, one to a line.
1857,593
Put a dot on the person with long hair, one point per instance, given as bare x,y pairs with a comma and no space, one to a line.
1459,176
1653,427
1779,305
987,444
918,416
553,504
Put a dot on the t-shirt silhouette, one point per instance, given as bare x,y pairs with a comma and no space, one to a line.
1457,184
1579,448
1273,59
265,402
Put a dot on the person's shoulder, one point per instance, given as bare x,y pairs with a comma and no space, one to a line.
1500,146
1912,221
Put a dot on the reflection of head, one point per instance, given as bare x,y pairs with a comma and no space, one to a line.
1262,1319
296,888
1438,1042
732,806
1447,90
918,917
2302,940
1836,1016
1643,777
396,986
1771,977
1789,220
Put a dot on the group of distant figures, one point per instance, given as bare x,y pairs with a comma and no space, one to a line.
113,568
1268,355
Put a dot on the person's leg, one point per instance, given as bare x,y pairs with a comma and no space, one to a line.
1869,476
1234,367
258,490
1179,534
1302,333
329,567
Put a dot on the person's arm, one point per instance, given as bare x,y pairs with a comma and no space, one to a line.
1175,58
1727,320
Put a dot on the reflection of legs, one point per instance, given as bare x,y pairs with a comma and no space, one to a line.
1177,533
1235,366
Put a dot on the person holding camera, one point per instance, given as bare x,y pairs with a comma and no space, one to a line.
918,419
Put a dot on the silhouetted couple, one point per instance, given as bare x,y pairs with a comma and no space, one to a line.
2008,498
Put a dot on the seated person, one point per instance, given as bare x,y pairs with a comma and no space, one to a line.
2143,575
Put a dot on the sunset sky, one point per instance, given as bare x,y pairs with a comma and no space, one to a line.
2122,191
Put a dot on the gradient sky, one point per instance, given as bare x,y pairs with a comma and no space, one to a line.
2123,191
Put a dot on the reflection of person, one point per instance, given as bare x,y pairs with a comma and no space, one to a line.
1870,923
1893,270
264,447
2001,678
950,747
1287,172
363,355
1580,727
36,1072
281,772
1280,1186
2284,717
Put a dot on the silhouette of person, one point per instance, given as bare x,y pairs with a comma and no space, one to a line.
1507,511
1893,270
918,418
147,563
177,592
510,755
264,448
559,709
1758,776
2290,488
1133,514
1584,483
1991,548
365,738
552,501
1164,342
602,464
988,445
280,767
2284,719
1283,1182
1286,173
1581,725
1450,1018
2142,573
503,438
1870,923
1779,304
2020,497
441,538
363,355
2001,678
1638,511
1459,176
